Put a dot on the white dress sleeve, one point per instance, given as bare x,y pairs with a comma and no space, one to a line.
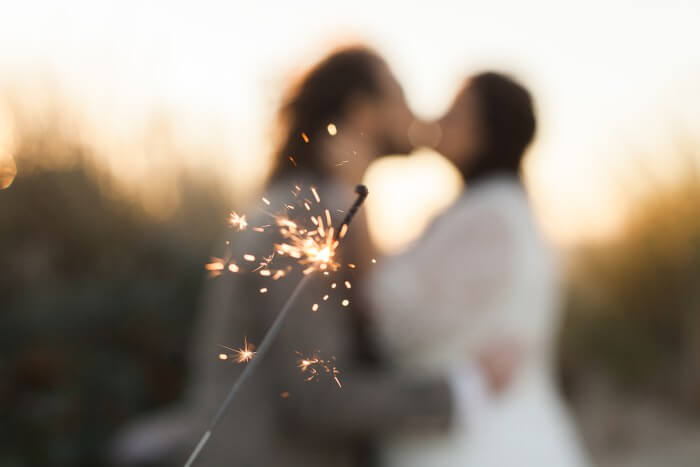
447,282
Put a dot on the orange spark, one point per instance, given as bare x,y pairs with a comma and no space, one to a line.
215,267
243,354
237,221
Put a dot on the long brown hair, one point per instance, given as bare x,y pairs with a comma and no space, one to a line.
507,119
320,98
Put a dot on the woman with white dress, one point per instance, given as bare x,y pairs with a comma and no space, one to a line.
483,273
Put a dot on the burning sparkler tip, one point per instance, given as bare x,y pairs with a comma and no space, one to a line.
362,190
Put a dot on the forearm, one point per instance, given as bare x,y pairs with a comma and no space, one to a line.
370,403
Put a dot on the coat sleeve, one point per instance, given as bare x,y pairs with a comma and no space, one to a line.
446,283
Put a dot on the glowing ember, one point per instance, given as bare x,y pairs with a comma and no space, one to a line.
332,130
237,221
215,267
315,366
241,355
315,193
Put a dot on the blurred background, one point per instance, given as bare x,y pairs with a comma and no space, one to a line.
128,131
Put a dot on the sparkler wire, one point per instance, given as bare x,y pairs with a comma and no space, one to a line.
267,340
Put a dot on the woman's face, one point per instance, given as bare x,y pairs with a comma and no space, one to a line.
394,116
461,132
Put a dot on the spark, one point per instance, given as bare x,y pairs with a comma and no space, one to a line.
348,285
263,290
325,297
249,257
314,366
242,355
314,307
374,261
351,266
237,221
291,159
343,231
215,267
333,285
233,267
345,302
259,229
315,193
265,200
314,249
278,274
305,138
332,130
223,356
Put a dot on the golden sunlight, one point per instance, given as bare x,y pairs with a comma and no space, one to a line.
407,194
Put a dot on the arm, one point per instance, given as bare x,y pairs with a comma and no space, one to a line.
371,401
447,283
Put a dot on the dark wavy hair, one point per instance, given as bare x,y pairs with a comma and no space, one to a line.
508,123
320,98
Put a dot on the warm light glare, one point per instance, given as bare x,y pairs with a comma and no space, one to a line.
407,194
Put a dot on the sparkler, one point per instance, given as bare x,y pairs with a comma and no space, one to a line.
314,249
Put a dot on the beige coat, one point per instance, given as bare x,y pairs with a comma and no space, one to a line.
279,418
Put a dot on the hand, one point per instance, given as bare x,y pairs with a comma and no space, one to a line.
499,364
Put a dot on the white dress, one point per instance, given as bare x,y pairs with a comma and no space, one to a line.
482,273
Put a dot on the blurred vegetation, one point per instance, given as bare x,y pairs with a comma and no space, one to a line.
97,299
634,303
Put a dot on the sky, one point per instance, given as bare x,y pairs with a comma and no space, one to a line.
614,82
